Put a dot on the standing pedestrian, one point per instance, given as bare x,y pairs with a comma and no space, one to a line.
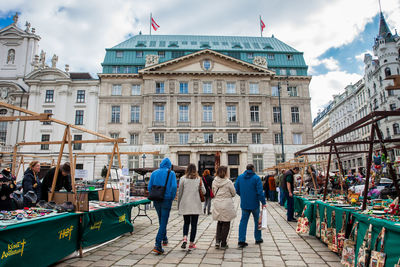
223,208
189,203
271,187
266,187
159,178
289,188
249,187
31,184
282,187
207,181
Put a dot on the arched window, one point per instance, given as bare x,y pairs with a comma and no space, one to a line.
396,128
387,72
11,56
380,80
374,88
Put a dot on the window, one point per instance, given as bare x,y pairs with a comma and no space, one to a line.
183,88
270,56
277,114
275,91
207,113
139,54
208,138
3,132
297,140
295,115
134,139
376,106
116,89
47,111
45,138
119,54
292,72
77,146
254,88
114,135
392,106
390,92
159,88
250,55
231,88
133,161
231,113
115,114
115,161
176,54
282,72
256,138
183,160
135,114
183,113
115,69
254,114
207,88
277,139
232,137
183,138
387,72
161,54
157,160
292,91
159,138
159,113
79,117
49,96
80,96
233,159
135,89
258,162
289,57
396,129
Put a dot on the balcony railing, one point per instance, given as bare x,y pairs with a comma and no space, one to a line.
208,123
232,124
183,123
256,124
158,123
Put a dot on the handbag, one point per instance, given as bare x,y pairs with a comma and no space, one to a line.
349,248
324,237
378,258
209,188
157,191
262,219
303,225
318,224
364,252
332,238
341,236
398,263
202,198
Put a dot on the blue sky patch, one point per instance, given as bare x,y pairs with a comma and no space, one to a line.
6,19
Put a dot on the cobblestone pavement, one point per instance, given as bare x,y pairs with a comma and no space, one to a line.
281,247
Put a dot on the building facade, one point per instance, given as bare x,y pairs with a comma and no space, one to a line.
200,99
322,131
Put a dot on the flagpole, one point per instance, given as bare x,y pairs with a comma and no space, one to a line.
259,22
150,23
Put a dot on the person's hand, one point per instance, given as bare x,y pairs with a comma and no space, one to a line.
264,206
290,194
35,185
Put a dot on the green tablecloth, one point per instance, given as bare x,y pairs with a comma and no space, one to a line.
299,204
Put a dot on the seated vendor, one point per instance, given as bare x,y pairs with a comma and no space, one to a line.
63,180
7,186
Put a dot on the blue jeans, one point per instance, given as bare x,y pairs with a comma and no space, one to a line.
163,208
243,224
271,195
282,196
290,206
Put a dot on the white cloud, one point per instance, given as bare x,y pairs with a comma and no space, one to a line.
360,57
330,64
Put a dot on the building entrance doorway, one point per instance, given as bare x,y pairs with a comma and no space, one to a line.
207,162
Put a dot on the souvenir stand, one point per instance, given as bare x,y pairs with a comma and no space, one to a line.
341,212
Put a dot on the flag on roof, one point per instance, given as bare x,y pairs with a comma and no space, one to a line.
262,25
154,24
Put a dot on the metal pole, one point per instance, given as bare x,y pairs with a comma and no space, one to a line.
369,161
327,173
259,22
280,121
150,22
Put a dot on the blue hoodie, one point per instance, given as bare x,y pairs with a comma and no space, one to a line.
159,176
249,187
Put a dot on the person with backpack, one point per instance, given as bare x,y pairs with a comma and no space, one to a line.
223,207
207,181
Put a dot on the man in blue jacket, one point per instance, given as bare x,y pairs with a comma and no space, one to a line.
249,187
163,208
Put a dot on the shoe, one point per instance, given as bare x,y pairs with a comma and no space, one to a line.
158,250
292,220
184,243
242,244
259,241
217,244
209,213
224,247
165,242
192,247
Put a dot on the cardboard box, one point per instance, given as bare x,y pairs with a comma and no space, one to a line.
61,197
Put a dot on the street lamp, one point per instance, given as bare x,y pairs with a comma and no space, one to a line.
280,121
144,158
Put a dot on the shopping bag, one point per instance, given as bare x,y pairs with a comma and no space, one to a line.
303,225
332,238
349,248
324,226
364,252
264,219
378,258
341,236
398,263
318,224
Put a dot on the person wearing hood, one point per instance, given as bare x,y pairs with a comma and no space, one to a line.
223,209
159,177
31,184
7,187
249,187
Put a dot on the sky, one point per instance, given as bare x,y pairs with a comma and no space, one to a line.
333,34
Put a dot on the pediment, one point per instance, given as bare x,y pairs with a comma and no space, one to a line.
47,74
216,63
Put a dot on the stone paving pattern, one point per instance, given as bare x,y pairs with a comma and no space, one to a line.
281,247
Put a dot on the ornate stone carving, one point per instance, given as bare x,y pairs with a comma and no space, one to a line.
66,68
197,140
219,87
151,60
221,140
42,59
15,18
28,26
242,87
11,56
195,86
54,61
260,61
4,92
171,86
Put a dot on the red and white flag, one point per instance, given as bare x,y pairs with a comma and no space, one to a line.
262,25
154,24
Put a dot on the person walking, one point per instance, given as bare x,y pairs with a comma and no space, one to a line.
289,188
282,187
223,208
189,203
159,178
249,187
31,184
207,181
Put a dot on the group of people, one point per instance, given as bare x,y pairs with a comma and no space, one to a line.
34,189
220,189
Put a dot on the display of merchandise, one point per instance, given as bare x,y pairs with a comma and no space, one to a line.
24,215
124,189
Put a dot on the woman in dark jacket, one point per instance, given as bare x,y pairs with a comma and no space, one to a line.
31,184
7,187
207,181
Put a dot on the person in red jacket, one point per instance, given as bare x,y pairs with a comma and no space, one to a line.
271,187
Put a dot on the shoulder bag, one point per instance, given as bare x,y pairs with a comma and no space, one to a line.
349,248
332,238
209,187
324,237
303,225
364,252
202,198
318,224
157,191
378,258
341,235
